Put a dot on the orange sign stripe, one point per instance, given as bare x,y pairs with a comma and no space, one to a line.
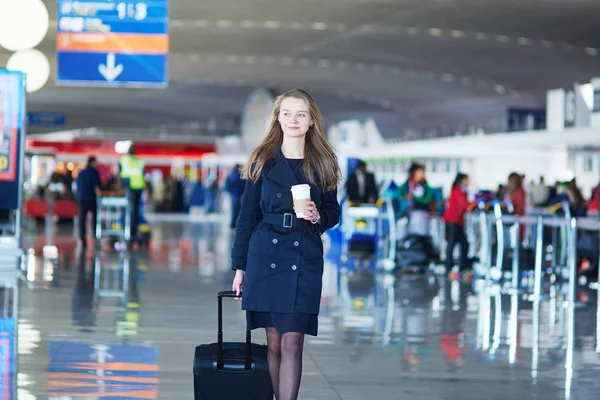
68,385
115,366
148,394
58,376
112,43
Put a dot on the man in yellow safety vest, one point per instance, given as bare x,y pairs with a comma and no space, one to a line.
132,177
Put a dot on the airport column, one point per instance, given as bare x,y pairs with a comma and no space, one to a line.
12,146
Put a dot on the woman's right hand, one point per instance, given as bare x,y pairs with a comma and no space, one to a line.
238,282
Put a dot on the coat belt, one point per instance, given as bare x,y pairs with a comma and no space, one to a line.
285,220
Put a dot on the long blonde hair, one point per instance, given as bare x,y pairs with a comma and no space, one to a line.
320,162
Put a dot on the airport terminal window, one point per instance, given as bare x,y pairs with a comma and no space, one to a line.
449,166
588,164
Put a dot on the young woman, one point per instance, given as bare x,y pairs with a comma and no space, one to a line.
278,258
417,196
454,218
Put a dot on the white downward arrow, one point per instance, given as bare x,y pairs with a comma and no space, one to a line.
110,71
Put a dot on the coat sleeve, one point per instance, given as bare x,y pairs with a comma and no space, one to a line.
250,216
329,211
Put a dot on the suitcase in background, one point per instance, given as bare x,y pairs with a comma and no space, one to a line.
231,371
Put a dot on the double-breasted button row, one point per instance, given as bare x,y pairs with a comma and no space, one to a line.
294,267
296,243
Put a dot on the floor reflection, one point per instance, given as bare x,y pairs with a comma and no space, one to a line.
102,323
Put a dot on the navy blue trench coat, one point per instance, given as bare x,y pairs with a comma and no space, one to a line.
281,254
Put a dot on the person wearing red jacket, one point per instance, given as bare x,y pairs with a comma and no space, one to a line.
454,218
593,203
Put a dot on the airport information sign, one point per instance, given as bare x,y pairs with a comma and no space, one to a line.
112,43
12,107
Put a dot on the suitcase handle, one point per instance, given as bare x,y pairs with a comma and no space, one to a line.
220,363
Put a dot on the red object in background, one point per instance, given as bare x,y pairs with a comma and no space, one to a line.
36,208
593,203
145,149
457,206
66,209
518,201
104,171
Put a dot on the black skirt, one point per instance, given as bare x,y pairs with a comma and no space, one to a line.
284,322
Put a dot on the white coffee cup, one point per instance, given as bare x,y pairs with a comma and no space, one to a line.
301,195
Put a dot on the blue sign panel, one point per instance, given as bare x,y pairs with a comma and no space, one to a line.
112,43
102,371
46,118
102,69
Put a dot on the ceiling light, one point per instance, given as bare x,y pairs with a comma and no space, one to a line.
34,64
272,24
435,32
23,24
524,41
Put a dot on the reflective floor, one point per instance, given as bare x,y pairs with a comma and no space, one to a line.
123,325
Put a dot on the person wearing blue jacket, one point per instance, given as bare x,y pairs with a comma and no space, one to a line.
88,181
278,256
235,187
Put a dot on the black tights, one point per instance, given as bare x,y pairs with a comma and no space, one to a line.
285,362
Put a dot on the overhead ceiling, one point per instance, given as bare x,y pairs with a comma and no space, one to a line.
413,65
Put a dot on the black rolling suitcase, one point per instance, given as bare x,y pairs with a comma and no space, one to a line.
231,371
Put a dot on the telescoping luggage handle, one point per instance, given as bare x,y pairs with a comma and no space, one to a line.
220,363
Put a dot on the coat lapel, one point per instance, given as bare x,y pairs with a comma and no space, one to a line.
281,172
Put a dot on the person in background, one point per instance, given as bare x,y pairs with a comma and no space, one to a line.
577,203
235,186
212,193
113,183
516,193
539,193
417,195
500,192
133,178
361,187
88,182
593,203
454,218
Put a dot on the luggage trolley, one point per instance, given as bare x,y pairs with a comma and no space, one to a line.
114,216
359,231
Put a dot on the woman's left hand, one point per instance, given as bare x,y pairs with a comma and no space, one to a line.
310,212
